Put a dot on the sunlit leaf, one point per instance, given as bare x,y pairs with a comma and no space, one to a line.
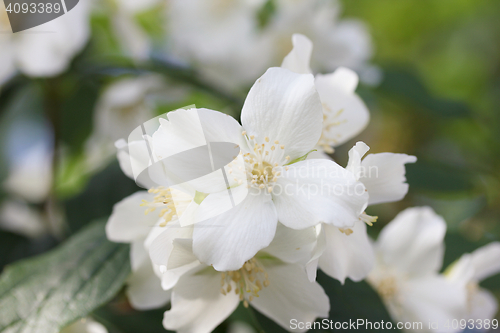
45,293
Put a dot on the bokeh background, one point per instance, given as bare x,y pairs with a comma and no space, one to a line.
436,95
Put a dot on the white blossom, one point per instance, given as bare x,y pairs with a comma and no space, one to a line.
468,272
202,297
45,50
281,122
409,253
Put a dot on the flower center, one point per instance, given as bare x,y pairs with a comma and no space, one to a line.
247,281
368,219
472,288
172,203
263,163
387,287
330,120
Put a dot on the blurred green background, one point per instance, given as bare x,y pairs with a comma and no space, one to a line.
439,100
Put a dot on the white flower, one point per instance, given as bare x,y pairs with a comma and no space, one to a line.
228,43
344,113
347,252
129,224
45,50
409,253
220,38
138,220
338,42
281,122
471,269
29,144
85,325
19,217
203,297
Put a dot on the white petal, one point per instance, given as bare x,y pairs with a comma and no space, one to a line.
198,306
144,289
413,241
138,254
169,278
432,299
133,158
462,271
486,261
181,132
346,114
161,246
290,295
228,240
293,246
483,305
187,129
48,54
384,176
182,253
312,269
347,256
203,142
299,58
312,265
284,106
356,153
314,191
343,79
128,222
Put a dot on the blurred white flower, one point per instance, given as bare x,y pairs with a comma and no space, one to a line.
134,40
338,42
85,325
30,175
45,50
129,224
202,297
138,220
219,37
282,120
29,149
469,271
344,113
20,218
409,253
123,106
240,327
226,42
347,252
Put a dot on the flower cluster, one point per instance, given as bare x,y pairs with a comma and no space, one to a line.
254,228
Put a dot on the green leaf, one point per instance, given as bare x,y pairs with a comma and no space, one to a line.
302,158
45,293
266,13
431,176
402,84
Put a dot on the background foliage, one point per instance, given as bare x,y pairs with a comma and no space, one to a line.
439,100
